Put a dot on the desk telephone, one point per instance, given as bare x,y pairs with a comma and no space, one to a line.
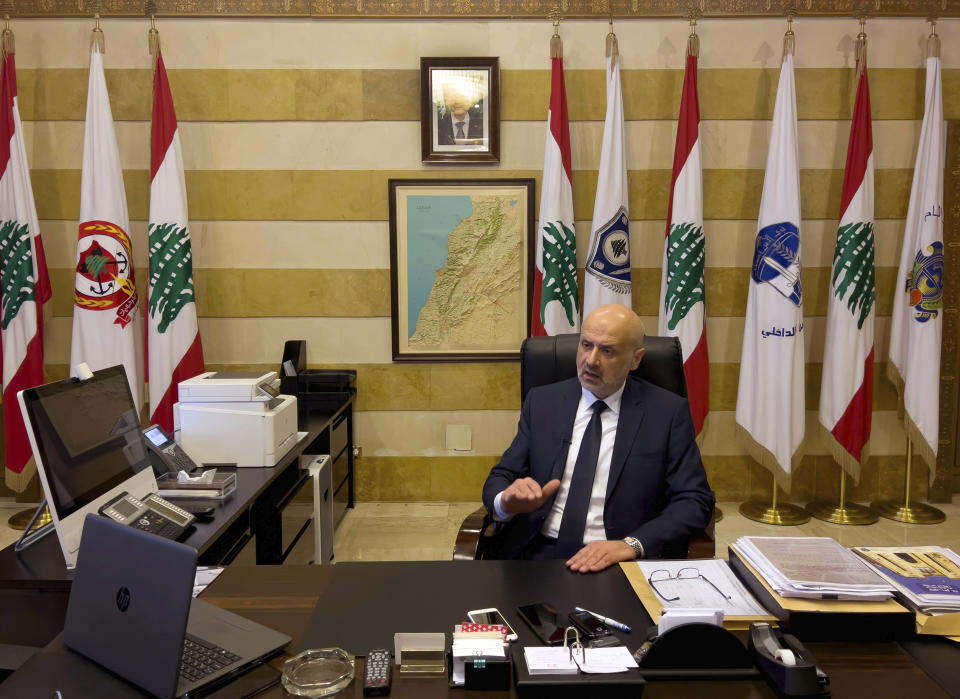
170,454
151,514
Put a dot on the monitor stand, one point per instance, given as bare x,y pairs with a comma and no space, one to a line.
31,535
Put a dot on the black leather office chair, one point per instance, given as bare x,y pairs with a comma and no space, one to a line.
545,360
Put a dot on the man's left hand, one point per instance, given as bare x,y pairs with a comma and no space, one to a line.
597,555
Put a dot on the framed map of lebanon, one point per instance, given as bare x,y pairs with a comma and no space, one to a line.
460,255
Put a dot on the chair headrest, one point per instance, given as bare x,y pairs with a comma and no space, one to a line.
545,360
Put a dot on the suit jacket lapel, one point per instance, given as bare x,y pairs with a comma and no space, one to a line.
564,426
631,415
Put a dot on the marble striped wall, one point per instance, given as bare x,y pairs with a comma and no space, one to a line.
291,129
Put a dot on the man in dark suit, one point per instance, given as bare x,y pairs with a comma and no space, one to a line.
641,489
462,120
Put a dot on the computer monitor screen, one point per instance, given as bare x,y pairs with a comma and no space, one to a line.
88,437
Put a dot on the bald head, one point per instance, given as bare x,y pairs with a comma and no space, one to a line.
611,346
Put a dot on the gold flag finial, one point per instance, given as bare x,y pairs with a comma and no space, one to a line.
153,36
556,43
933,41
96,41
693,41
6,6
613,49
861,51
789,38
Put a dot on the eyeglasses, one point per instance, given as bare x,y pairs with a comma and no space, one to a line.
663,575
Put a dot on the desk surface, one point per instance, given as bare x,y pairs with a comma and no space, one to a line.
416,596
41,566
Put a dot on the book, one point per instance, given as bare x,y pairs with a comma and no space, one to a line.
927,578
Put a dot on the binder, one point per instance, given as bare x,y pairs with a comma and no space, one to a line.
621,684
828,620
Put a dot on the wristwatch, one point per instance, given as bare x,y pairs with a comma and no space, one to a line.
635,545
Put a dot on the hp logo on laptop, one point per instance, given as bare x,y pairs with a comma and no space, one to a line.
123,599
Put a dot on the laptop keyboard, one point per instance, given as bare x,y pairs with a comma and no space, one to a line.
201,658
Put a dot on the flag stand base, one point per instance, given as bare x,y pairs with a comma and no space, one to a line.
20,520
910,512
842,513
717,514
905,510
780,514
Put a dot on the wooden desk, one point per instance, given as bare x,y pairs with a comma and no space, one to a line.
35,583
285,598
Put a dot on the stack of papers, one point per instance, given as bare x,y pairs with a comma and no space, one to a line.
926,577
812,568
558,660
699,584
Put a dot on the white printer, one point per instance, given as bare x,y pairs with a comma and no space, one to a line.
235,417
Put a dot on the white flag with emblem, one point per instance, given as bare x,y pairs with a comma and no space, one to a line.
916,327
174,349
770,397
106,320
607,271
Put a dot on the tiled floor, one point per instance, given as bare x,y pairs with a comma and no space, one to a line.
392,531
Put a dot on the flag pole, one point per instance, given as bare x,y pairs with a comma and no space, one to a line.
907,511
782,514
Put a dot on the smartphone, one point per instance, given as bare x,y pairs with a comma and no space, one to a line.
492,616
589,625
544,621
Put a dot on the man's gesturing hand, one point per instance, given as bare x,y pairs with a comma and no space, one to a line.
526,495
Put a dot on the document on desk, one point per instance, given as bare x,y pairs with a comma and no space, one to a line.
699,584
812,568
557,660
205,575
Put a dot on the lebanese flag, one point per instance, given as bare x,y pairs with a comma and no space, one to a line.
770,397
106,319
682,291
174,348
26,287
556,309
916,327
607,271
846,393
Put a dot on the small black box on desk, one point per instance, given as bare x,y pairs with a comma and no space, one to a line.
828,620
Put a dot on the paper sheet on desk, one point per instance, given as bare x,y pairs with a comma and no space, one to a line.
557,660
205,575
738,612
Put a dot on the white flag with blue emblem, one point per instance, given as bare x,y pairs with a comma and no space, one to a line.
770,401
607,272
917,323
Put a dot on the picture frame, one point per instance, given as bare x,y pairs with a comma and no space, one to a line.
461,254
460,110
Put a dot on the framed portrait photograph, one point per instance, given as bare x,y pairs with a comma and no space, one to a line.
460,254
460,110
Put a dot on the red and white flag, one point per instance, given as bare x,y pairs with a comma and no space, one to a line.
174,349
682,297
916,328
846,393
607,270
26,287
106,320
556,309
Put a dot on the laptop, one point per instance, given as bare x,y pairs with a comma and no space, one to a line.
131,611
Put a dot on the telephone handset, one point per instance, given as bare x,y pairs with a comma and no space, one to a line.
171,454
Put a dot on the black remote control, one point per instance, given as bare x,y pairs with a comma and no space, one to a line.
376,673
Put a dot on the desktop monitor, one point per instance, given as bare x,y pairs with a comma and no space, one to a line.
88,448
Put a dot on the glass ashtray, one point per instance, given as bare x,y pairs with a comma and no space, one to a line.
318,672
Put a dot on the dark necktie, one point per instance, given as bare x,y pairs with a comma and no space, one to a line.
460,130
574,519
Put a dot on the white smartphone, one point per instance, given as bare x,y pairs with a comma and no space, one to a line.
491,615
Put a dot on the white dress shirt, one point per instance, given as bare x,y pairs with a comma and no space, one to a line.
594,529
